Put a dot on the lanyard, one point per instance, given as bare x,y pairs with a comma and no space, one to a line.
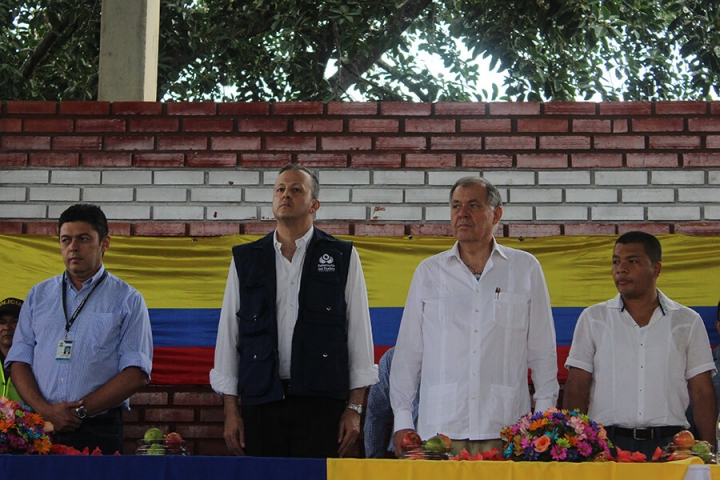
69,323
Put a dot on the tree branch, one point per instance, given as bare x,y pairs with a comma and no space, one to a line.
52,40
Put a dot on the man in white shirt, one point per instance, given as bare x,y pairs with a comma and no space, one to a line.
638,359
476,318
294,350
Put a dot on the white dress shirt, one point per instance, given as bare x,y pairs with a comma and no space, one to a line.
640,374
471,342
362,369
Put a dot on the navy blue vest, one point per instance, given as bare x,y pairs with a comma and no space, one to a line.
319,358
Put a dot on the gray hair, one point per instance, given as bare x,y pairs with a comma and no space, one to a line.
494,199
314,183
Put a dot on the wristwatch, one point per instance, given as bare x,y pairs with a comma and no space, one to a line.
81,412
355,407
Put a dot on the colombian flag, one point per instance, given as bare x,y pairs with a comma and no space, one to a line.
183,279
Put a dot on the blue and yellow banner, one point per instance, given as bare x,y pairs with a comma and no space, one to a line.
183,280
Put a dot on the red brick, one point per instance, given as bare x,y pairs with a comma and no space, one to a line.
213,229
680,108
169,415
10,125
430,160
297,108
291,143
100,125
701,159
405,108
200,431
653,160
197,398
208,125
625,108
159,160
10,228
714,107
212,447
235,143
322,159
259,228
106,159
596,160
262,125
620,126
159,229
30,107
417,125
184,142
376,160
486,161
712,141
589,229
543,160
510,143
13,159
84,108
565,142
137,108
400,143
345,142
653,228
459,108
54,159
615,142
127,142
655,124
41,228
318,125
518,230
264,160
542,125
698,228
704,124
456,143
674,141
241,108
570,108
77,142
207,159
352,108
26,142
499,125
370,125
47,125
191,108
210,415
432,229
120,228
587,125
154,124
375,230
514,108
334,228
149,398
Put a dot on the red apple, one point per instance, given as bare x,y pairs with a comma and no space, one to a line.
410,440
684,439
173,439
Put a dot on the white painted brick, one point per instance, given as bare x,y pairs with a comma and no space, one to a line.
269,177
712,213
179,177
535,195
127,212
180,213
66,177
160,194
12,194
382,212
55,210
24,177
427,195
107,194
13,210
344,177
377,195
393,177
648,195
342,212
450,177
669,213
123,177
261,194
564,178
231,213
591,195
266,213
517,213
617,213
217,194
334,195
561,213
622,177
436,214
700,195
233,178
510,178
55,194
676,177
714,177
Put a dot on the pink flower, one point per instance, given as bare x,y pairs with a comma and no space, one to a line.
584,448
558,453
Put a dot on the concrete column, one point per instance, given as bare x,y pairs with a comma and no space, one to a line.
129,35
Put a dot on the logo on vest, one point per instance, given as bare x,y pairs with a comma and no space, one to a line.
326,264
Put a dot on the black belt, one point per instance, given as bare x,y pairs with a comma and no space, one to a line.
111,417
649,433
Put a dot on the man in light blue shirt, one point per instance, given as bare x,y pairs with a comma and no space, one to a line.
83,344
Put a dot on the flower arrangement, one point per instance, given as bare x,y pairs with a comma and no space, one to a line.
554,434
21,431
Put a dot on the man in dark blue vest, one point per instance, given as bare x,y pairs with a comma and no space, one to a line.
294,350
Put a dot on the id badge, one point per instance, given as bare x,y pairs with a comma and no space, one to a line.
64,351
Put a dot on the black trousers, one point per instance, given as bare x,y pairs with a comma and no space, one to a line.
104,431
297,426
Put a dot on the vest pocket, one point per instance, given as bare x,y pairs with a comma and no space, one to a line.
257,366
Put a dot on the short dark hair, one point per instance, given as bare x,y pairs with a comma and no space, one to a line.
494,199
652,246
85,212
314,183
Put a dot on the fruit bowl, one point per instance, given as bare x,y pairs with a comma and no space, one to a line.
157,447
425,454
677,452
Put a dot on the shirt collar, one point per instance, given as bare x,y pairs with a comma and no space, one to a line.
90,281
664,303
299,243
496,249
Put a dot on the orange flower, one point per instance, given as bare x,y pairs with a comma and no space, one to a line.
542,443
42,445
538,424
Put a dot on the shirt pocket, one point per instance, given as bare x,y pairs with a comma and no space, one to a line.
512,310
104,331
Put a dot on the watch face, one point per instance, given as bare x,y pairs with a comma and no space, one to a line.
81,412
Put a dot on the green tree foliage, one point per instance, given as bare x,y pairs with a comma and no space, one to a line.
285,50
